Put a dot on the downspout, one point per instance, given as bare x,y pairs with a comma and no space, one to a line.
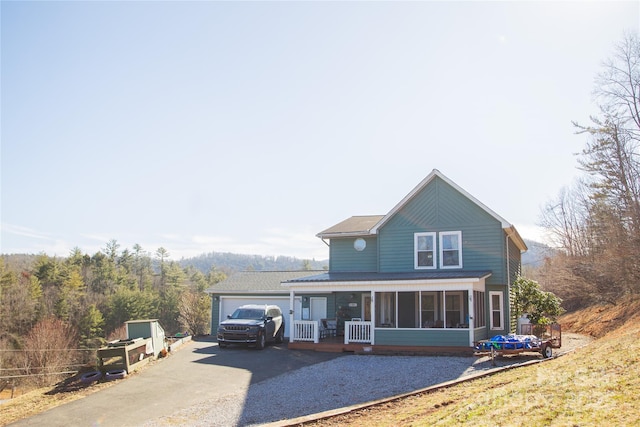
508,279
292,306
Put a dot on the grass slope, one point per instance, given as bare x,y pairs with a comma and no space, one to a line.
595,385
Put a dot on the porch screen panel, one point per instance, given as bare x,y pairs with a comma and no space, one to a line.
453,303
432,315
385,309
408,310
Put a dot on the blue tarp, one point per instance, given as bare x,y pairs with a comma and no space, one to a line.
509,342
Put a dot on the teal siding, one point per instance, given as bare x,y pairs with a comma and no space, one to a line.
215,314
331,302
343,257
139,330
515,270
439,207
515,263
480,334
418,337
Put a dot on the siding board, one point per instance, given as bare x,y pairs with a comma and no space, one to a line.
440,207
422,337
343,257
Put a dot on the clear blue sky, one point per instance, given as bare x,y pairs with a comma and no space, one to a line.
251,126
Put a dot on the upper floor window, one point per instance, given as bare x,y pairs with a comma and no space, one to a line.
425,250
451,249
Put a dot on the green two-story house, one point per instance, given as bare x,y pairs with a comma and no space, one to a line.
433,272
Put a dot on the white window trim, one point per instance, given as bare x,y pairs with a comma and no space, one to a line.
491,310
415,251
441,248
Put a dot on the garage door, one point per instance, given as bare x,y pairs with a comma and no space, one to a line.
230,303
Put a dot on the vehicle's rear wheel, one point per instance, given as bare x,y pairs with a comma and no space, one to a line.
547,351
261,341
280,335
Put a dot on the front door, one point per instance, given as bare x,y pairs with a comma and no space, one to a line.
318,308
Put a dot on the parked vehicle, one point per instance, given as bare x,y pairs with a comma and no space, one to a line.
535,339
253,325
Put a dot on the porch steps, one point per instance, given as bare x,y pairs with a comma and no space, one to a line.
332,347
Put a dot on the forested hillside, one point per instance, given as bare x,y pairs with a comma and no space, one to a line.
78,302
229,262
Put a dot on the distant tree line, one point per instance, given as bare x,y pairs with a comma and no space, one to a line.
230,262
596,221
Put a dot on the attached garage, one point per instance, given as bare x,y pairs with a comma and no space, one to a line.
229,303
253,287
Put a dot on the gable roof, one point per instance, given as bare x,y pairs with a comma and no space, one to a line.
354,226
257,282
358,226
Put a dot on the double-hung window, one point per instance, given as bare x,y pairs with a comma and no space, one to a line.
425,250
495,306
451,249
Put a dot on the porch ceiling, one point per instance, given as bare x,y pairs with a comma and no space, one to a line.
460,280
387,277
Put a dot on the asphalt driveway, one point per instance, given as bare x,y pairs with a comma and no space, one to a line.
201,385
195,374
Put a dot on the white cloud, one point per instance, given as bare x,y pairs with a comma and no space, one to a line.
23,231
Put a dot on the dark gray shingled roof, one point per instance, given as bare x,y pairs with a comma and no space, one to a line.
356,225
358,277
255,282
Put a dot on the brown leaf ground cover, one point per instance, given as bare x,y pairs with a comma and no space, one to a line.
598,384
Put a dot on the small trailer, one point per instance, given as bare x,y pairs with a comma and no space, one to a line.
534,339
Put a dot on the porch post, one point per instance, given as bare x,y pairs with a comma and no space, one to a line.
373,317
291,316
471,320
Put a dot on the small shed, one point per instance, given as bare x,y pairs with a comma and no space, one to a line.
149,328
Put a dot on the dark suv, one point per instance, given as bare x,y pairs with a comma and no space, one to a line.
252,324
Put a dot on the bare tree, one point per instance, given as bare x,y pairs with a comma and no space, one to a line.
50,350
566,218
194,311
617,89
597,223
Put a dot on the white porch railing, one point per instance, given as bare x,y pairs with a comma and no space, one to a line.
306,330
357,331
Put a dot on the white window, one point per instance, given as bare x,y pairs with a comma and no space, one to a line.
451,249
495,307
425,250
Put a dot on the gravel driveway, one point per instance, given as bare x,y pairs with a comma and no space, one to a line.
344,381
